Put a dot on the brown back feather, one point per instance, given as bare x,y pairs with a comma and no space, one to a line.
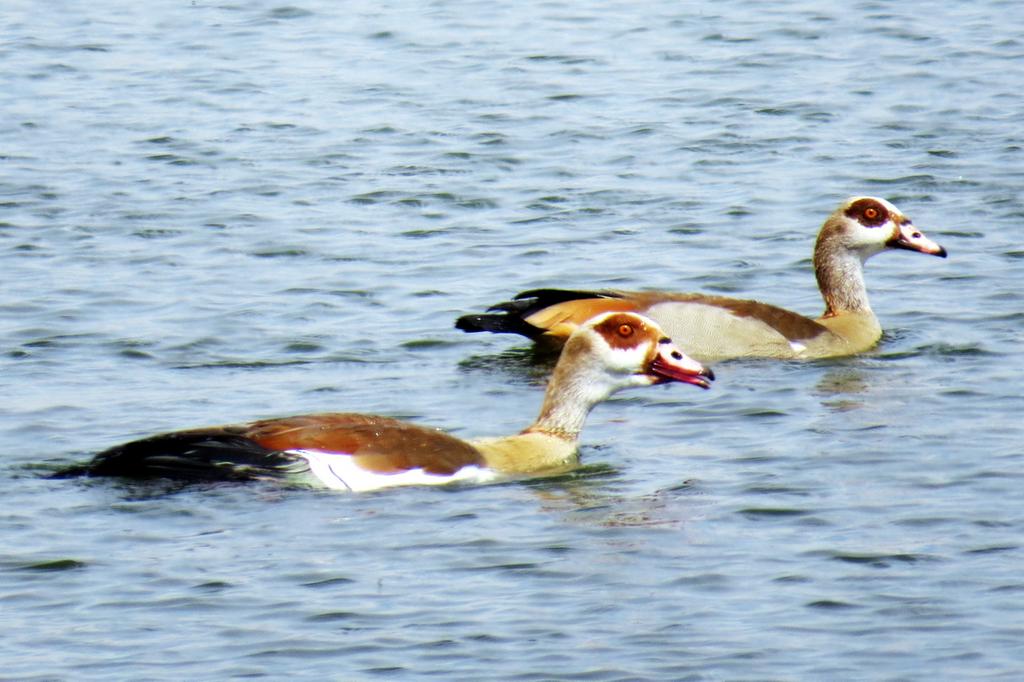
379,444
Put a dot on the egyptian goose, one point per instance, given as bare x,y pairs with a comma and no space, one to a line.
359,452
718,327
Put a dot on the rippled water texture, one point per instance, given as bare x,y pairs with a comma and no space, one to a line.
218,212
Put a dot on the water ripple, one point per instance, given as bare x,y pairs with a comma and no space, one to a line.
211,213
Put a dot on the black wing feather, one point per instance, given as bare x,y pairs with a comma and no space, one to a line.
192,457
509,317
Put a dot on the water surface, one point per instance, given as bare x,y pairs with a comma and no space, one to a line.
219,212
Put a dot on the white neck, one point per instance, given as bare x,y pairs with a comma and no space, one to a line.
840,274
571,394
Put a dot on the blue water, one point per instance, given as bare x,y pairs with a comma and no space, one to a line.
217,212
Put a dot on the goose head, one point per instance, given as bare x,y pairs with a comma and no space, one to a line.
621,349
607,353
857,230
868,225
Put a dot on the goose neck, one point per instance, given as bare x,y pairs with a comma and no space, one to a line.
571,394
840,275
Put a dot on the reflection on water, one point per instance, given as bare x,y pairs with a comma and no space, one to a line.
588,497
520,365
838,388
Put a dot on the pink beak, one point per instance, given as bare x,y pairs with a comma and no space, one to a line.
910,238
672,364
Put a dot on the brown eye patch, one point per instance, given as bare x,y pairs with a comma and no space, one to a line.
622,330
868,212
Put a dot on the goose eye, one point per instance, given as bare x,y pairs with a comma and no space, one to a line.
625,330
869,212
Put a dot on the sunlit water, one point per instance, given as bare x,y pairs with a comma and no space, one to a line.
218,212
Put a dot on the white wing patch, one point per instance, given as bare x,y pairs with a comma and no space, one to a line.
339,472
